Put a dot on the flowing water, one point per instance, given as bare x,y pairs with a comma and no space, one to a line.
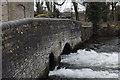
97,58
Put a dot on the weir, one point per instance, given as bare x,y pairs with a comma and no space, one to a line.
31,46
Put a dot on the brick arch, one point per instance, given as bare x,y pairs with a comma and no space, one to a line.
67,49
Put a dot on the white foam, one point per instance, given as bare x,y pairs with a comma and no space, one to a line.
92,58
82,73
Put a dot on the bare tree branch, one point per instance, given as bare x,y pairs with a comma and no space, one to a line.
56,3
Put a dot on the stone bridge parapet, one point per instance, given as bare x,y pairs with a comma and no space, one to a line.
28,43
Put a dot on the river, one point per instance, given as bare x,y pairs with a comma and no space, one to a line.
97,58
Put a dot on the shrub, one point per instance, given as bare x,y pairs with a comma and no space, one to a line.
41,15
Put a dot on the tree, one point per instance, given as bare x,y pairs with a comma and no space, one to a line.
76,10
118,13
97,12
58,3
52,10
55,11
105,10
113,10
39,7
93,12
48,6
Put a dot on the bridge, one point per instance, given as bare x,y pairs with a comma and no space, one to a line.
32,46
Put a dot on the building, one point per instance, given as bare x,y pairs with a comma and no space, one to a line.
17,10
